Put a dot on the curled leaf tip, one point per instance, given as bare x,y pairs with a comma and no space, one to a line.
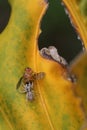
51,53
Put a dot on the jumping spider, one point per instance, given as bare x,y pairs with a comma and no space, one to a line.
26,82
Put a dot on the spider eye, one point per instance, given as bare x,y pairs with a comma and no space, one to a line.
28,70
27,83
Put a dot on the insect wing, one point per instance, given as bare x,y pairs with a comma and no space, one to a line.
39,75
19,83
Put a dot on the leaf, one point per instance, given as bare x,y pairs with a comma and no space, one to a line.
80,69
55,105
77,13
81,73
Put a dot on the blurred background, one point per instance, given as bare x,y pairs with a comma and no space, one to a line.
56,29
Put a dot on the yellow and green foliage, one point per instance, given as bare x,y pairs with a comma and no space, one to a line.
56,105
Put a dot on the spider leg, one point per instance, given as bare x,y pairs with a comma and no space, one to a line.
32,85
19,83
21,91
23,88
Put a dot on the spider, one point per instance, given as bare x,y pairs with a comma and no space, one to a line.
26,82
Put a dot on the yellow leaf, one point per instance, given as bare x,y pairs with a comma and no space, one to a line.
55,106
80,69
78,17
81,73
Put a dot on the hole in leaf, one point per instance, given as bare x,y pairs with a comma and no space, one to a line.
5,12
57,31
